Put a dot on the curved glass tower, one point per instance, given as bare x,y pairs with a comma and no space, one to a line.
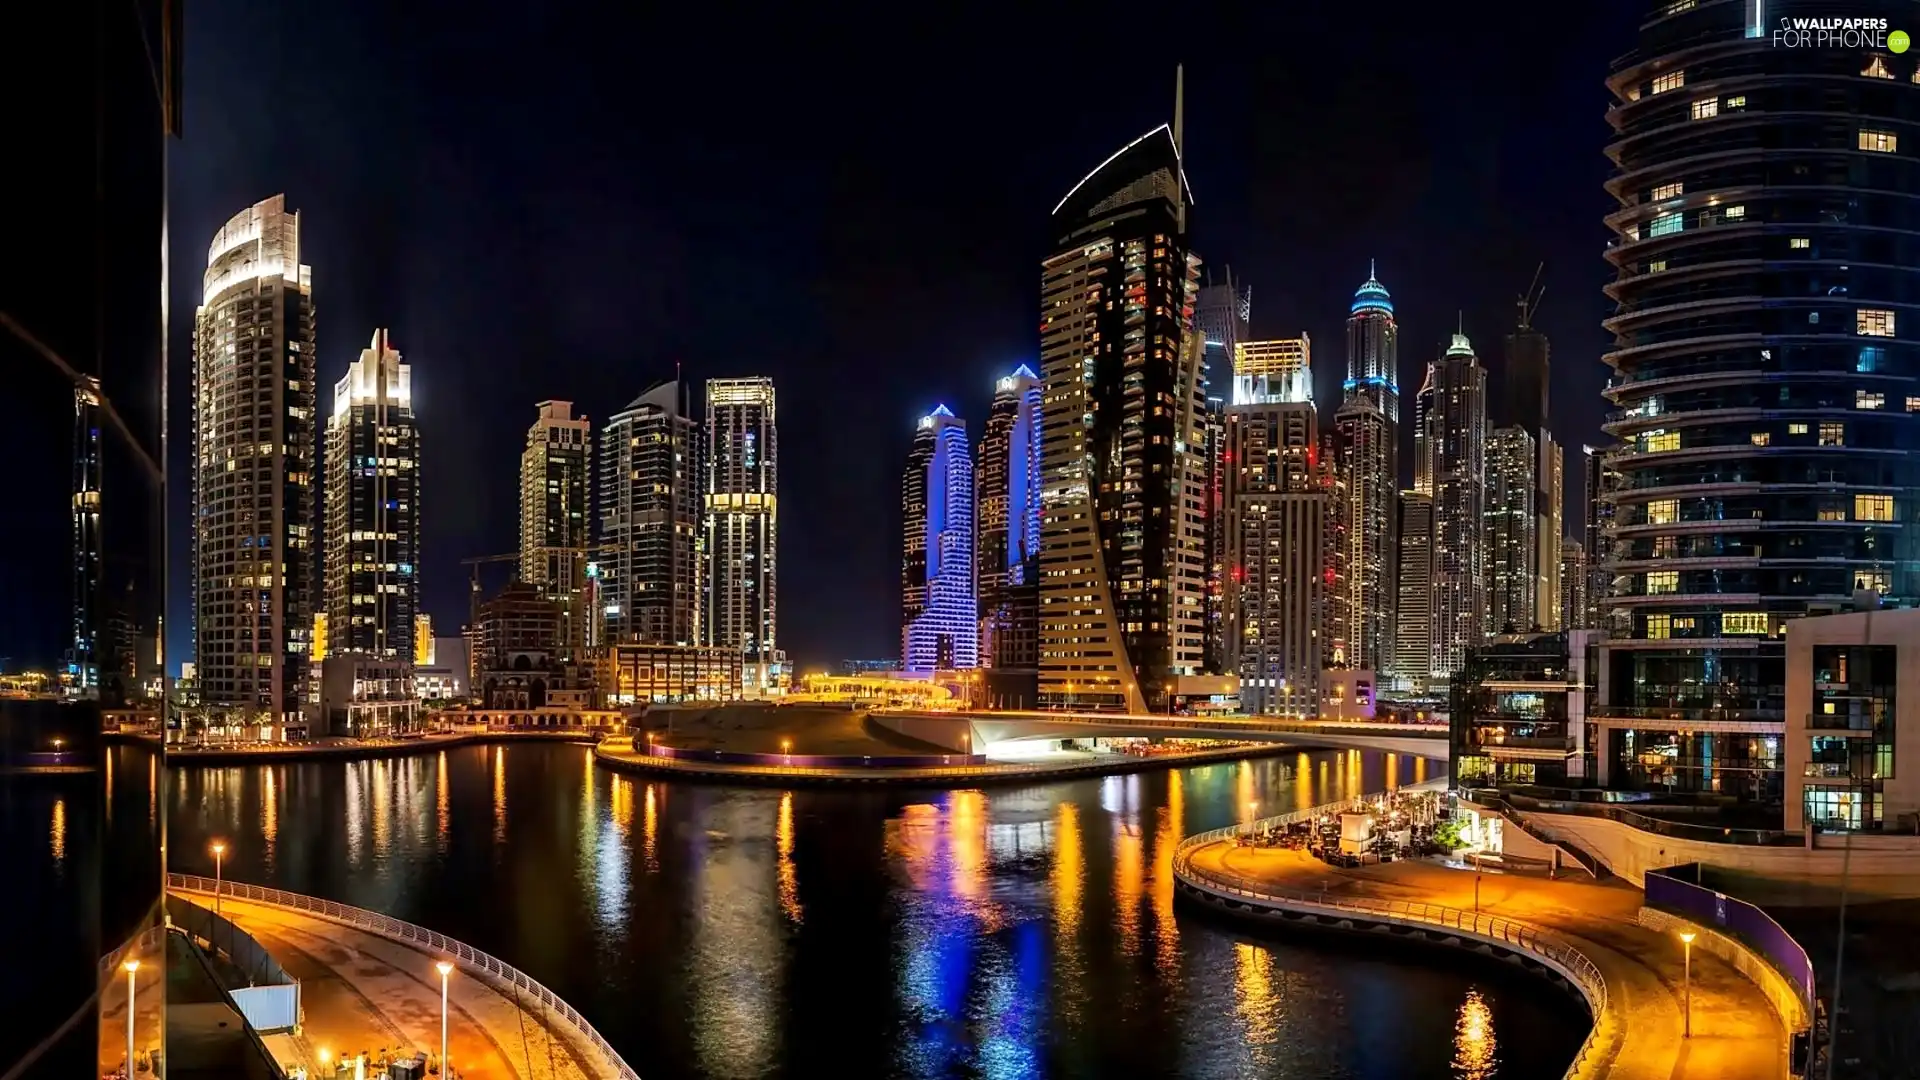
1368,426
1764,391
940,630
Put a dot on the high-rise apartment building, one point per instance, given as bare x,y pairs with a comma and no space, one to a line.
940,627
254,426
1597,509
1223,314
1766,380
1549,527
555,498
83,648
649,572
1453,415
1007,547
1123,530
1280,370
1523,405
1368,425
1413,625
1213,449
743,527
1277,527
372,521
1510,546
1573,576
1336,625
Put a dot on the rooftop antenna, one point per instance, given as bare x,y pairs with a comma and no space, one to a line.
1529,301
1179,135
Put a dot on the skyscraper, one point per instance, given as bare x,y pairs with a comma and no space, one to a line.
1413,625
1007,548
1336,625
254,399
555,497
1213,451
1453,414
1368,423
1597,508
649,497
1510,547
372,525
83,649
1223,313
1573,575
1523,406
1549,526
1277,527
1123,531
743,527
940,627
1765,385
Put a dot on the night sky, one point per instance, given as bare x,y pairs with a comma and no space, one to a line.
566,202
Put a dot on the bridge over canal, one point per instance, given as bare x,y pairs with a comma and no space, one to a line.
966,732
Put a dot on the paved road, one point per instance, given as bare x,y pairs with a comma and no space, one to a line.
1735,1031
362,992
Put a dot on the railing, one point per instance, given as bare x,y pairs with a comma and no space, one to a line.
1828,722
1705,834
1230,723
1731,714
1669,890
400,930
616,750
1495,802
1597,1048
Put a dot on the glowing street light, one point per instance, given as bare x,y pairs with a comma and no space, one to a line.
446,969
219,849
786,747
1686,938
131,966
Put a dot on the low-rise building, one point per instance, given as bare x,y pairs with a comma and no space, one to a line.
1518,711
638,674
1347,694
1852,710
365,696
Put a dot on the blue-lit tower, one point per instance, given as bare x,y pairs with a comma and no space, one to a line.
1007,555
939,627
1368,437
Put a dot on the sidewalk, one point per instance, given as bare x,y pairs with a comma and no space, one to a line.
362,992
1735,1031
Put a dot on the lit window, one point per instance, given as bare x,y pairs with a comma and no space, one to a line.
1916,74
1736,213
1884,142
1762,438
1668,191
1873,508
1664,225
1833,434
1661,582
1675,7
1744,622
1672,80
1800,243
1654,442
1658,266
1705,108
1877,580
1913,404
1737,101
1663,511
1659,627
1873,322
1830,513
1877,69
1872,358
1796,429
1864,399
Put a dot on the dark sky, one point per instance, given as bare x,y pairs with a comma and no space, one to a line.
559,201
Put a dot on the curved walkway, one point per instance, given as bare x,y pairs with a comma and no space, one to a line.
1736,1033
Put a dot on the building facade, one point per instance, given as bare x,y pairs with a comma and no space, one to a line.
649,578
372,493
1223,315
255,537
83,647
1413,626
1123,530
1573,590
556,495
633,674
1453,418
743,527
1517,710
940,625
1510,547
1368,425
1766,375
1276,514
1007,547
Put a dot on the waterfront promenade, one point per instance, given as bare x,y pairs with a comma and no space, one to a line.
1736,1033
365,992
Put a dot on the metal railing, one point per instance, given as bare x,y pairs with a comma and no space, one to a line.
1601,1042
617,750
399,930
1679,830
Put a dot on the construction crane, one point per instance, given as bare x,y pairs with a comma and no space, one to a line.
473,596
1529,301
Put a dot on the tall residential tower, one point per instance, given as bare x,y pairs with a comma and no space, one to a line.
372,556
1368,427
555,498
1007,547
1453,416
940,628
743,527
649,506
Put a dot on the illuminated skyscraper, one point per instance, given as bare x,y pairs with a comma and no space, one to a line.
83,651
1524,406
650,494
1123,545
1453,413
1413,625
254,459
1510,547
372,524
1573,576
556,482
1273,371
1222,313
1368,427
1007,554
940,628
743,522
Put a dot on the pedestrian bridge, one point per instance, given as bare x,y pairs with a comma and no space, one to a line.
970,732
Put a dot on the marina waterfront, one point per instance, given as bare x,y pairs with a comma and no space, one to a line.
722,931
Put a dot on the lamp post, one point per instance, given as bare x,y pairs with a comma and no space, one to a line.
446,969
219,850
786,747
1686,1032
1069,697
1253,807
131,966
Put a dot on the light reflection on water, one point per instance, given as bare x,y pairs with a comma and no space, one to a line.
762,933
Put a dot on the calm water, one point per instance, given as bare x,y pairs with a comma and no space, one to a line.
747,932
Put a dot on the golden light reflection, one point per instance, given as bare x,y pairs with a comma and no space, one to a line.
1356,778
1245,795
1129,883
499,794
587,794
1166,839
382,809
1254,1001
649,833
1419,770
1069,870
269,808
967,840
1302,786
789,874
153,788
1393,772
620,804
914,839
1473,1043
443,813
108,780
59,838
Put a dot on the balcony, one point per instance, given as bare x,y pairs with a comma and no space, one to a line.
1850,726
1690,714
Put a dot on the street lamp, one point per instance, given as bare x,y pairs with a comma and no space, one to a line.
219,849
57,744
131,966
446,969
786,747
1169,701
1253,807
1686,938
1069,697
